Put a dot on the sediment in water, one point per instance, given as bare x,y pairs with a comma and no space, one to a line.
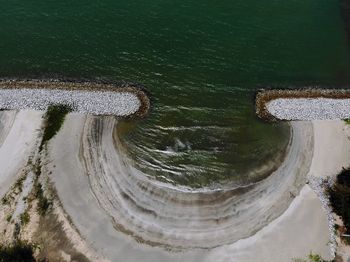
162,214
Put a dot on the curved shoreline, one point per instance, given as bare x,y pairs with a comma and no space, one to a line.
163,215
93,209
256,174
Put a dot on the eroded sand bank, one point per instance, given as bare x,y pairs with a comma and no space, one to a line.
112,204
120,214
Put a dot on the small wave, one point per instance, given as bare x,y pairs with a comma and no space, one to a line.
193,128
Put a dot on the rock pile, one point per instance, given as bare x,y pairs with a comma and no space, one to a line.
82,101
309,108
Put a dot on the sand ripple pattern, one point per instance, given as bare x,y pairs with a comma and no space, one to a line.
160,214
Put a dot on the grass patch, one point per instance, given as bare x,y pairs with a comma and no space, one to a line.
313,258
19,183
44,204
37,170
24,217
15,190
5,200
17,252
347,121
54,119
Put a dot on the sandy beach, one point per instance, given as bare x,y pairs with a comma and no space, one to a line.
19,133
116,212
111,208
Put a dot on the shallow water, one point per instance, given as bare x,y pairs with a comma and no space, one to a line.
202,61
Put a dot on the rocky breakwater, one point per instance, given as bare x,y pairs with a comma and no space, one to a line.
303,104
123,100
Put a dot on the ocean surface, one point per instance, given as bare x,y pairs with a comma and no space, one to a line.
202,62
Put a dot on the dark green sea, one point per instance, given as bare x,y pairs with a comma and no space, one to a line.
201,61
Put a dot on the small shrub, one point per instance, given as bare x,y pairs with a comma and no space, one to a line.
38,190
24,218
345,240
54,119
312,258
17,252
339,196
37,170
8,218
4,200
43,203
19,183
16,231
316,258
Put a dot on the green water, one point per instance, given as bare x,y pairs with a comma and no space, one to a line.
201,60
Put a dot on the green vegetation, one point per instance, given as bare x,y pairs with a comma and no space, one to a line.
44,203
339,195
16,188
312,258
8,217
19,183
4,200
17,252
16,231
24,218
37,170
54,119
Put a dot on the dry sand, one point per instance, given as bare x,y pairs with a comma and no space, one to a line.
19,133
332,150
301,228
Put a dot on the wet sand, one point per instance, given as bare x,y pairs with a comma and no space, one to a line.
121,212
